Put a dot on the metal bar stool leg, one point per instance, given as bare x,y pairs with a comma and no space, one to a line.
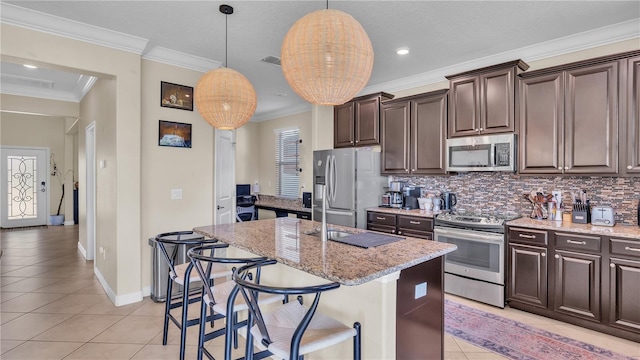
167,308
357,355
185,317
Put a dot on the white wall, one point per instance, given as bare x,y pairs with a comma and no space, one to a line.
165,168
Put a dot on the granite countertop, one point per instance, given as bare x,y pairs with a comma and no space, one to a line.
627,231
416,212
281,203
285,240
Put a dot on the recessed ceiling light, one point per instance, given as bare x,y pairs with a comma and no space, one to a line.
404,51
30,66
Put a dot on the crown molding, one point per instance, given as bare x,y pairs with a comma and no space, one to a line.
50,94
171,57
83,86
568,44
38,21
292,110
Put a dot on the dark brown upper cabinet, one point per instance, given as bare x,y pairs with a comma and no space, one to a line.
630,159
568,119
357,122
483,101
414,134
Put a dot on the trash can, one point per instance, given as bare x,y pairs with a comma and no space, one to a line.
160,268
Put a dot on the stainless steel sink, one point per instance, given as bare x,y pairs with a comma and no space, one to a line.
331,234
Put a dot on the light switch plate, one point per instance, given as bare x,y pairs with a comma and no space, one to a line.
176,194
420,291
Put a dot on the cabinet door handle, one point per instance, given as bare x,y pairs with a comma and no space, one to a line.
527,236
559,167
413,169
543,254
381,218
628,248
399,232
576,242
557,256
612,265
478,130
481,129
393,231
414,222
629,167
357,141
566,168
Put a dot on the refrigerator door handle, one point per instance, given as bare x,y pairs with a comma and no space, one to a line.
327,181
334,179
332,212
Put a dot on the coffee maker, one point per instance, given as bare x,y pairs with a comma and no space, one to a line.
395,194
410,197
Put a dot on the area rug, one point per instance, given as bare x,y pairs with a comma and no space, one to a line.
515,340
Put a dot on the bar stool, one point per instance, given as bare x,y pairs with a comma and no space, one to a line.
218,297
183,276
292,330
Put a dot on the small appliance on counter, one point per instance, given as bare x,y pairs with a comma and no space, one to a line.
602,215
306,200
396,200
449,200
410,197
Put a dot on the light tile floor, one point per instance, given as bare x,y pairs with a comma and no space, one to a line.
53,307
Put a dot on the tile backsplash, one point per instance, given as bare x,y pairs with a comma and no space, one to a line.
503,192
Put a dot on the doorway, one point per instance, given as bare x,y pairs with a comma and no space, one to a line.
90,152
224,206
25,186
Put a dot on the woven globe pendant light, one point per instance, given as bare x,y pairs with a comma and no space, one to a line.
327,57
224,97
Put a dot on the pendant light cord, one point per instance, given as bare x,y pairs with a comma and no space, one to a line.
226,40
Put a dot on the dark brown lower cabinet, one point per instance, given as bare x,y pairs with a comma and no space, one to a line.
591,281
412,226
577,285
624,300
528,275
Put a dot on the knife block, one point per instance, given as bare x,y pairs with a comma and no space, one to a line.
581,214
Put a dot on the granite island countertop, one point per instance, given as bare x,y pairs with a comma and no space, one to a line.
626,231
286,240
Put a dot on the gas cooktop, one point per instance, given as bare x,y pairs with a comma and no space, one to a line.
490,222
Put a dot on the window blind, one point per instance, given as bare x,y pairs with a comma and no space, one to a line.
287,175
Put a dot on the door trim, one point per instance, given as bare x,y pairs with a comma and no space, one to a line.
90,194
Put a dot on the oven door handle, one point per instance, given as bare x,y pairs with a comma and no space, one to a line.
475,235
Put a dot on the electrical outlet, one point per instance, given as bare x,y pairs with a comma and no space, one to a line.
420,290
176,194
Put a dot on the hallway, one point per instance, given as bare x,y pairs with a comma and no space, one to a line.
53,307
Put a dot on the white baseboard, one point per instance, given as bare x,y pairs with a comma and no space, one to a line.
82,250
146,291
117,300
69,223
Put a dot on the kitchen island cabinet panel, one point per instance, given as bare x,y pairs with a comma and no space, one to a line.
577,284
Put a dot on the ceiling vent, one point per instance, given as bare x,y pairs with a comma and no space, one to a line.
27,81
271,60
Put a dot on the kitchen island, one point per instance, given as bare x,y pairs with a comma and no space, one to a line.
393,290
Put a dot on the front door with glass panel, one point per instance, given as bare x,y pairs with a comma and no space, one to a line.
24,187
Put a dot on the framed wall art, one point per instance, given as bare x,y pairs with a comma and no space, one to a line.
174,134
176,96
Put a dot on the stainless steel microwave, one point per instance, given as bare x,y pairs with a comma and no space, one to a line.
482,153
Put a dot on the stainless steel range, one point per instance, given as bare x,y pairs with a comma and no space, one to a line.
476,270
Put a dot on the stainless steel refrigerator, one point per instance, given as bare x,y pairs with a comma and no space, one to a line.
353,181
